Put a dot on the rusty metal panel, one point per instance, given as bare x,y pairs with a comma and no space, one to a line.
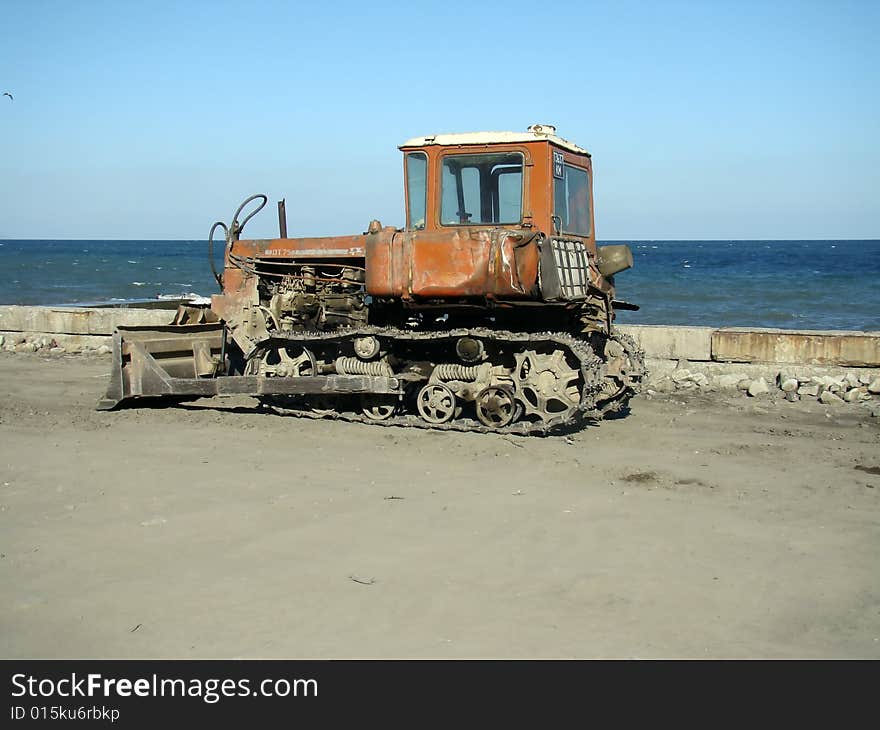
464,262
383,261
330,246
451,263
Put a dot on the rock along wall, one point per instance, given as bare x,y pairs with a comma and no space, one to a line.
834,367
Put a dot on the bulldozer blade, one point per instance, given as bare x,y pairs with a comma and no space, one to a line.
113,397
145,359
183,361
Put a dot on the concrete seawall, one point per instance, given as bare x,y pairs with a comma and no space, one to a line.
73,328
835,367
679,358
661,342
758,345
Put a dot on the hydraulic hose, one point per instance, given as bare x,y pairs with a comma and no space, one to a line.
235,227
217,276
232,232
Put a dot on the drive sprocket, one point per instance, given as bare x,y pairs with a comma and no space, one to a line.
546,386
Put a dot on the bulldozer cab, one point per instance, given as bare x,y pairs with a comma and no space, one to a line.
529,180
479,207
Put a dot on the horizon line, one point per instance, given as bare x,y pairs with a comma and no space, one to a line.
648,240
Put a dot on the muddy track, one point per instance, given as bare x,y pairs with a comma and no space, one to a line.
591,367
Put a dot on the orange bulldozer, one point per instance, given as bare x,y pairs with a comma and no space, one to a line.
492,309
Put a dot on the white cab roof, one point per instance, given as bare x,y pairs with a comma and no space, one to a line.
535,133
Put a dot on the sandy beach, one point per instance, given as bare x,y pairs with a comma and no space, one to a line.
698,526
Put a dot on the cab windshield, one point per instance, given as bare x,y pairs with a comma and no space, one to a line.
481,189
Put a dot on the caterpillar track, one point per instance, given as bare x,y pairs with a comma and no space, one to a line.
573,386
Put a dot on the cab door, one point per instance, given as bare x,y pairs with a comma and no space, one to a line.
464,253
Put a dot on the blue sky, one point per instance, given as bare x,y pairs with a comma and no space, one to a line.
706,120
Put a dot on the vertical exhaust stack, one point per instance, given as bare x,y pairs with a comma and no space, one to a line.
282,219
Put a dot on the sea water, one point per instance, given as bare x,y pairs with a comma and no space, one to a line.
787,284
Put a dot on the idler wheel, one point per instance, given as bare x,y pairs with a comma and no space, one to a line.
378,407
436,403
496,407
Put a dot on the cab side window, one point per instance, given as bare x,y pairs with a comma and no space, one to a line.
416,189
571,200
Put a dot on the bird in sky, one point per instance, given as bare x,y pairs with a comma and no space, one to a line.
6,93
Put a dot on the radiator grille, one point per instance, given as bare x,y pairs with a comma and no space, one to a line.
572,266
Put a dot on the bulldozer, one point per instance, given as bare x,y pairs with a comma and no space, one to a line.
491,310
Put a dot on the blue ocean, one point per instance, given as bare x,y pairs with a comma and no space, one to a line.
787,284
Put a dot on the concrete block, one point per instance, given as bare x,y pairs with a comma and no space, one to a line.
814,347
78,320
71,343
672,343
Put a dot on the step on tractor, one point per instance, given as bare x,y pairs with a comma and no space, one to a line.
492,310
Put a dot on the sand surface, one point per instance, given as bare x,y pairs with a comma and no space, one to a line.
724,527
